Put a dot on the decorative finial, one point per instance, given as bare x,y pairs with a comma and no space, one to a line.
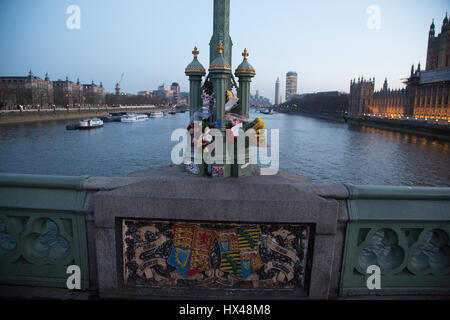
245,54
220,48
195,52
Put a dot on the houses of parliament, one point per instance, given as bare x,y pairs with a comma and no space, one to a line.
427,92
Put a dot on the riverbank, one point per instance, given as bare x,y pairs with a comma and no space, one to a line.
16,116
423,129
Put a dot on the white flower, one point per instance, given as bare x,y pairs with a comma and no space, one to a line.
208,138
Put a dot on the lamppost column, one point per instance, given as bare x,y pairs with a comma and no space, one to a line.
245,72
244,95
220,72
195,72
195,91
219,82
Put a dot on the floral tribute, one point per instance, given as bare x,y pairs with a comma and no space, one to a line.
234,120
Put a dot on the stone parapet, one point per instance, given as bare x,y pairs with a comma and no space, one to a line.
163,233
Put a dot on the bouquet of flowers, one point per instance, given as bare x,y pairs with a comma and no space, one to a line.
200,141
231,101
233,120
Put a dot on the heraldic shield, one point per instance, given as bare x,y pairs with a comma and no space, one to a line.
239,251
191,249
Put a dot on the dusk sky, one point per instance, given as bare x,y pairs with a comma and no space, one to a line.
326,42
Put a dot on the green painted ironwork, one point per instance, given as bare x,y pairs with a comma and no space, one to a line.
42,230
195,72
221,31
219,78
245,72
403,230
242,165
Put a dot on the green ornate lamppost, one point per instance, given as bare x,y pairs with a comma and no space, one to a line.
221,78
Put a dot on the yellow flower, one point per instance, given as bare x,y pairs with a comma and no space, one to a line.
259,125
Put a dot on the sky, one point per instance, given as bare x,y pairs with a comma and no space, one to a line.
326,42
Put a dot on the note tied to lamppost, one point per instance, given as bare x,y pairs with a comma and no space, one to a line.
234,256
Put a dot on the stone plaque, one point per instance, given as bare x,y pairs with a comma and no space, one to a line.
215,255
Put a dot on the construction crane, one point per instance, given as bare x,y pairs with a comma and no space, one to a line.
118,85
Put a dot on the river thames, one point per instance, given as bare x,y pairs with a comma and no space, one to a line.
320,150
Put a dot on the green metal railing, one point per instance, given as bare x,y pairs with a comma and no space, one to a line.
42,230
403,230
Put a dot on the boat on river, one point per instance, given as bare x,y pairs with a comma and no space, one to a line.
113,117
266,111
133,117
156,114
93,123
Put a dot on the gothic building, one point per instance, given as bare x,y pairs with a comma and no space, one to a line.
427,92
361,96
438,53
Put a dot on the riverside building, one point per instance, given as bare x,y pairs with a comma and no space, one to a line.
28,90
427,92
291,84
34,92
277,92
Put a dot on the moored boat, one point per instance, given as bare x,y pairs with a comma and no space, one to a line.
156,114
113,117
90,123
266,111
132,117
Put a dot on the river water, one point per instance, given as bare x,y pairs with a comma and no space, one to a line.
320,150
